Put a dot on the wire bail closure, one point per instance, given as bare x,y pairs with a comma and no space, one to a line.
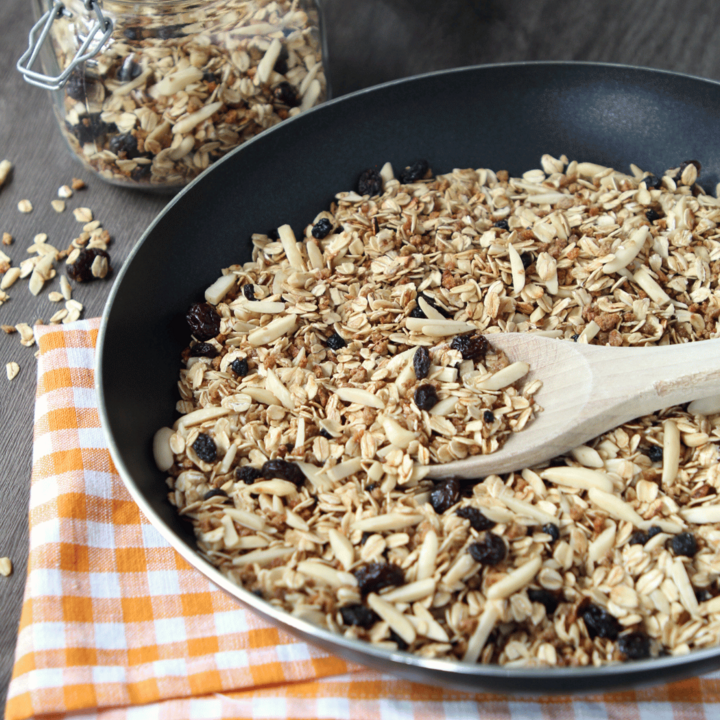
42,26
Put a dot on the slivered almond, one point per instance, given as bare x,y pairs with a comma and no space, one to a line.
389,521
393,617
582,478
515,581
342,547
507,376
272,331
362,397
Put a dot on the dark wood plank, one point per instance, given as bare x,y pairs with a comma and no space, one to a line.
370,42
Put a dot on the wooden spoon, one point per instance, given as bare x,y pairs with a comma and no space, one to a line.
588,390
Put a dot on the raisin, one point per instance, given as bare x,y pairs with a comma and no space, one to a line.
426,397
324,433
527,259
257,592
75,86
653,182
281,64
284,470
502,224
365,536
489,551
552,530
682,167
417,312
215,492
249,292
634,646
359,615
445,494
477,520
81,270
210,77
655,453
401,644
141,172
421,363
336,342
129,70
652,215
203,320
203,350
321,229
575,337
247,474
133,33
653,531
286,94
126,144
370,487
168,32
600,623
240,367
369,182
414,172
684,544
473,346
638,538
489,417
546,598
205,448
273,234
702,594
376,576
91,127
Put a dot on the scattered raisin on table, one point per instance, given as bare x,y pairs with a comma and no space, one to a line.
369,182
655,453
552,530
240,367
376,576
546,598
489,417
684,544
321,229
205,448
414,172
215,492
81,270
336,342
473,346
247,474
203,350
203,320
634,646
477,520
286,94
489,551
426,397
249,291
284,470
600,623
652,215
360,615
502,224
445,494
421,363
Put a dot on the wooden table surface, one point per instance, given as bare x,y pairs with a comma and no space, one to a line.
369,42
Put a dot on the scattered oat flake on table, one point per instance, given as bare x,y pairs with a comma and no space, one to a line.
83,214
65,192
58,205
55,296
27,336
8,329
5,168
77,184
5,566
25,206
7,239
12,369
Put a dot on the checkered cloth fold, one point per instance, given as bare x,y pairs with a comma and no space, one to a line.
115,625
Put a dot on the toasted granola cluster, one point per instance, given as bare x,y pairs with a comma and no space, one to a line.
301,452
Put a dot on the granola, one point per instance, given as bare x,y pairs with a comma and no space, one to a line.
171,92
300,456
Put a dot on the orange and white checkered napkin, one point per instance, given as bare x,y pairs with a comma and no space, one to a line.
115,625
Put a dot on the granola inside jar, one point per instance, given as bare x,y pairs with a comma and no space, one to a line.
177,84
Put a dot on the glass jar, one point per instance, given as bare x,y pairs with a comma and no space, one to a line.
150,94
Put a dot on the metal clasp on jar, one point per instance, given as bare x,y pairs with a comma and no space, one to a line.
42,26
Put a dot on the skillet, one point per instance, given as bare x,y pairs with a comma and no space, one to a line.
496,116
